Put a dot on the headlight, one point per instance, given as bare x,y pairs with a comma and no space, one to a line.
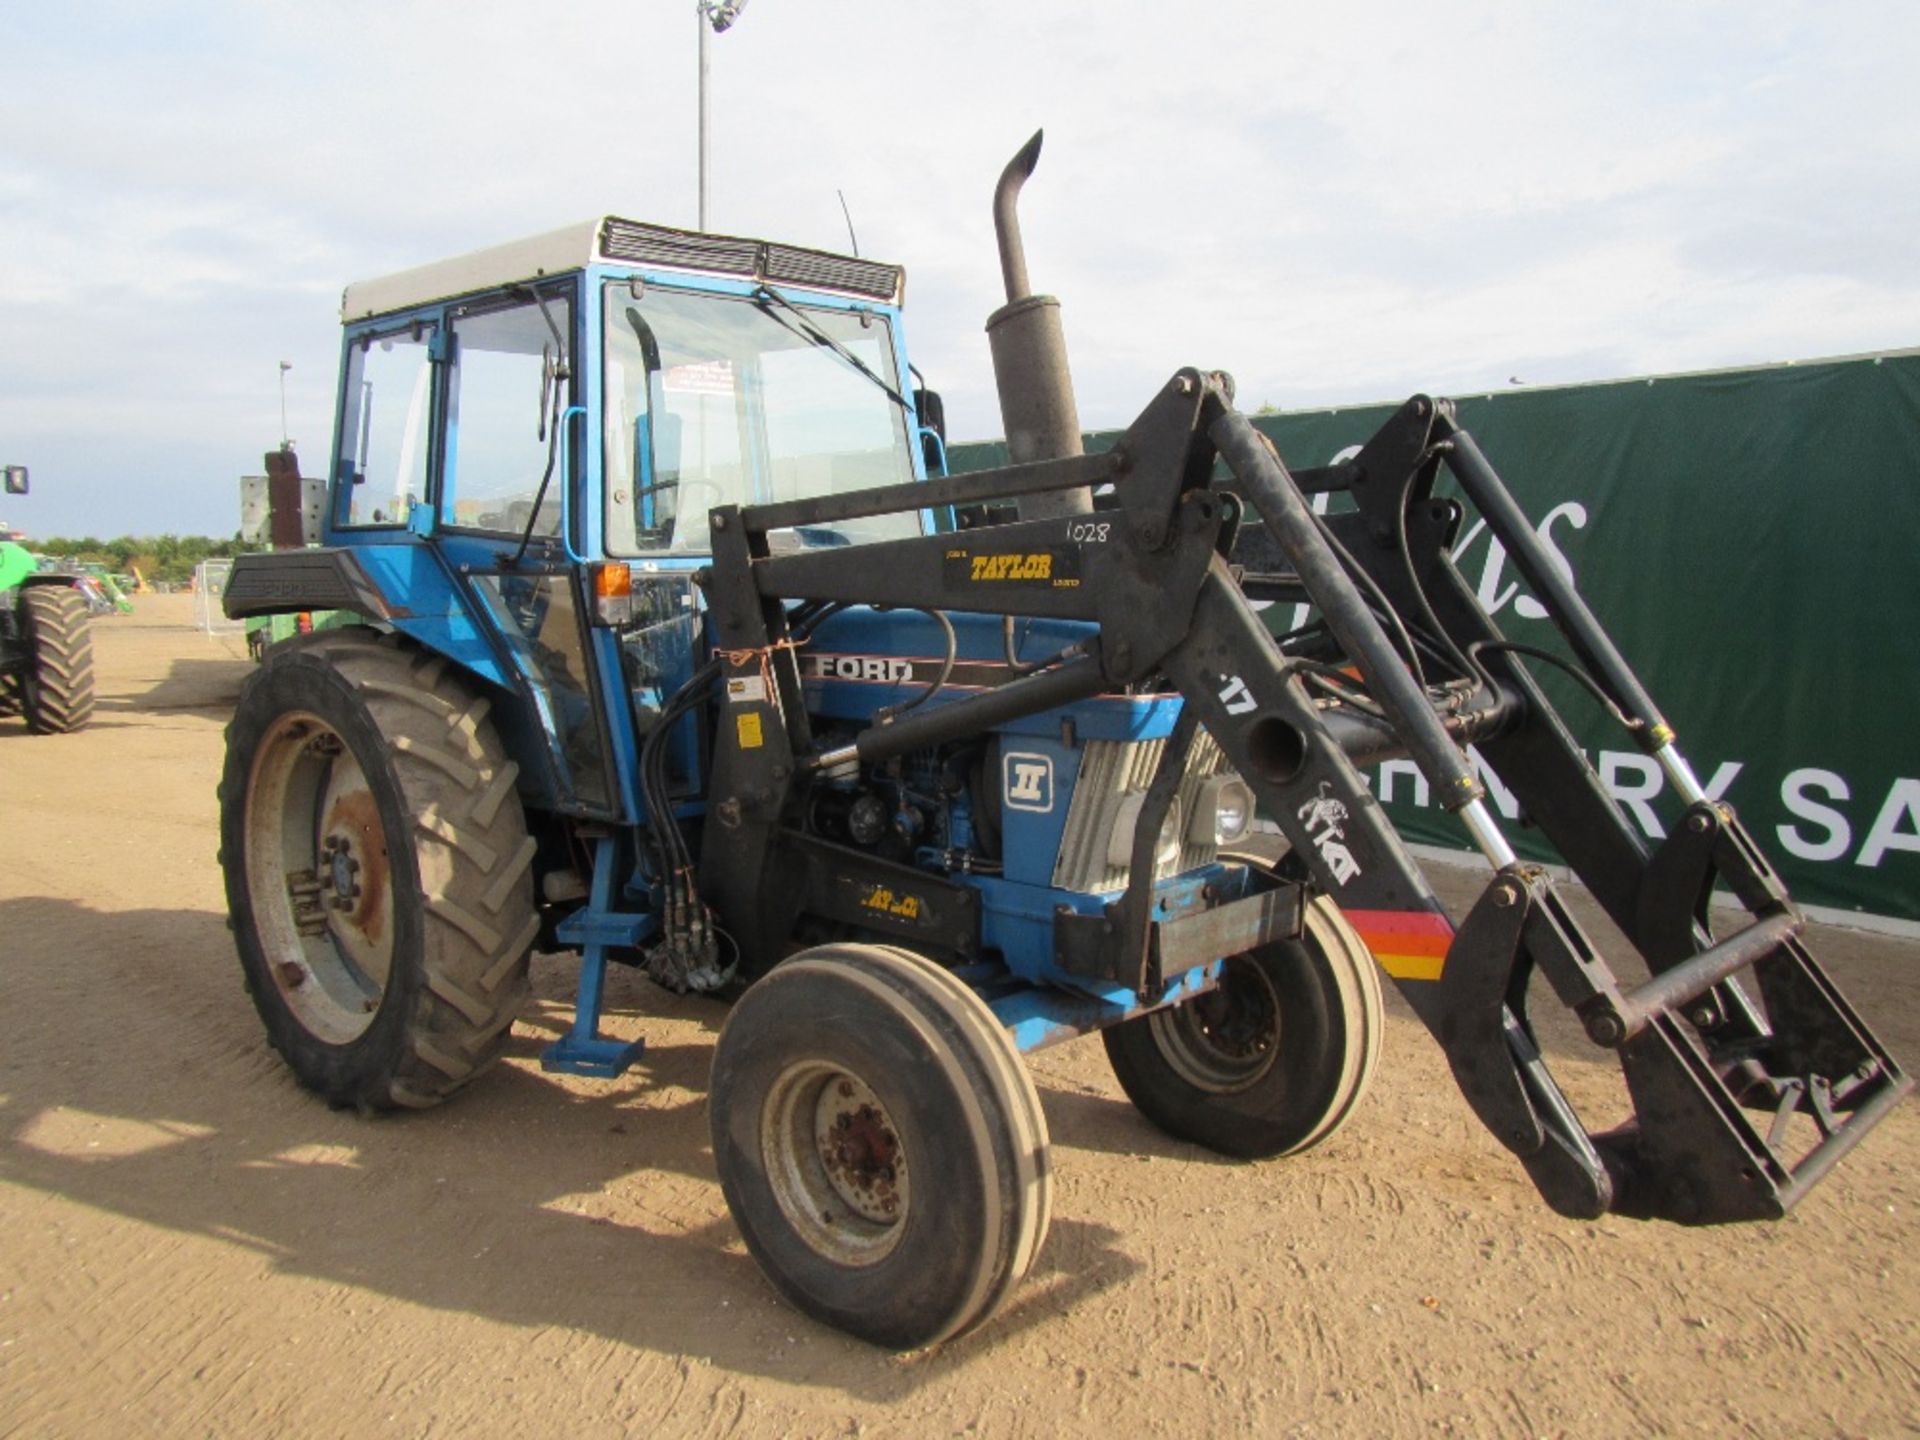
1126,820
1223,812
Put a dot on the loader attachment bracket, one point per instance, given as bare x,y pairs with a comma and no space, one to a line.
1515,928
1693,1151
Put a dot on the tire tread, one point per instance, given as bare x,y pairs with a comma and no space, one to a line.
1286,1111
473,852
998,1113
60,698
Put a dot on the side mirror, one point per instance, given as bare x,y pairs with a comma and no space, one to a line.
16,479
932,411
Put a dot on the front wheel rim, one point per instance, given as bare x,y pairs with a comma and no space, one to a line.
319,878
836,1163
1226,1040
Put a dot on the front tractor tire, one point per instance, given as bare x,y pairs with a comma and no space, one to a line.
378,869
1274,1059
880,1144
56,693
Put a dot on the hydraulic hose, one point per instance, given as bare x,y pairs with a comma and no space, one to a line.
1266,484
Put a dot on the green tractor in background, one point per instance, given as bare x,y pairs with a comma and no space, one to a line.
46,650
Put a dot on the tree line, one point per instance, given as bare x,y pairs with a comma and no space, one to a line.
160,559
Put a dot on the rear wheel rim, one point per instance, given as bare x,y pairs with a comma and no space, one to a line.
1226,1040
319,878
836,1163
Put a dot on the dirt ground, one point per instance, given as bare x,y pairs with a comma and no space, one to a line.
192,1245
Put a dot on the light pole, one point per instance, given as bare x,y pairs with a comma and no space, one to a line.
285,443
719,14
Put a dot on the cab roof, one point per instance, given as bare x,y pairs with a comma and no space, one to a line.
610,240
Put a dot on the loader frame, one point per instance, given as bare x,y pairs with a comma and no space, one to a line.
1166,574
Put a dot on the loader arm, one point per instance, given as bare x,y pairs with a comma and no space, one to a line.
1406,663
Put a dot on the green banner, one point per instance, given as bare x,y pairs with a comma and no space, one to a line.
1749,539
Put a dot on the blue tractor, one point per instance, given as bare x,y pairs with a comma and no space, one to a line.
702,662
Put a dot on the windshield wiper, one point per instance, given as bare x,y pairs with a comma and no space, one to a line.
554,375
807,330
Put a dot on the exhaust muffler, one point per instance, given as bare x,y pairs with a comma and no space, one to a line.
1029,350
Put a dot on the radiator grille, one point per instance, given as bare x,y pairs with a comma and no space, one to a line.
1111,770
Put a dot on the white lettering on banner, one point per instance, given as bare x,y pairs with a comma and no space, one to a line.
1634,794
1649,781
1575,513
1503,799
1492,569
1793,794
1492,598
1819,831
1722,779
1488,591
1903,803
1422,796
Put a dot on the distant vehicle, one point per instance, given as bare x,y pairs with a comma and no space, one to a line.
46,649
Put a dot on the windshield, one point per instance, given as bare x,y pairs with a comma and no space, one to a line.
717,400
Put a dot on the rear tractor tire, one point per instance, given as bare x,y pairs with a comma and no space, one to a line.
880,1144
1275,1058
57,694
378,869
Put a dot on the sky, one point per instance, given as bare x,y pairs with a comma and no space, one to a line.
1335,203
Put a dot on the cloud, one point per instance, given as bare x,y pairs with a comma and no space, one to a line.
1338,204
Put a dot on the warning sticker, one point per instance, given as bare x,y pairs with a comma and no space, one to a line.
747,726
747,689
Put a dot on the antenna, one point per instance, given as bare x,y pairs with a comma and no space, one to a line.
851,240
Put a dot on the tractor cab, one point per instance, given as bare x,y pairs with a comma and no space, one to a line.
531,438
595,392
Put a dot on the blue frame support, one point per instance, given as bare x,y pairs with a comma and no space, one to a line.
1039,1016
582,1050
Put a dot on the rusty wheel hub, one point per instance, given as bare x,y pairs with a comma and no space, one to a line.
858,1149
837,1162
317,869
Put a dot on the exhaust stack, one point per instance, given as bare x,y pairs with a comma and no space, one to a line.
1030,356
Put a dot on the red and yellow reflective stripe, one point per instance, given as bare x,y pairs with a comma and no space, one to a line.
1409,944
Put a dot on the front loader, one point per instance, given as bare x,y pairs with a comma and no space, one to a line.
721,676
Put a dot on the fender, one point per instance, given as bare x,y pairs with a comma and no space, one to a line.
437,611
280,582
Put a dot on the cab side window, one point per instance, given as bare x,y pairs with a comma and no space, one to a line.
506,396
384,427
